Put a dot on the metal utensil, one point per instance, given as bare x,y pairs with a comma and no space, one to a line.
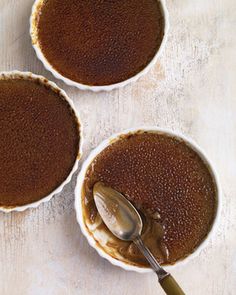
124,221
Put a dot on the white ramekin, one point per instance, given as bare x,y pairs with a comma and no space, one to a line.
49,67
79,187
31,76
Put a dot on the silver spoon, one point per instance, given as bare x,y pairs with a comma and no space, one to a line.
124,221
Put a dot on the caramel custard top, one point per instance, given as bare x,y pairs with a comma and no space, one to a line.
39,141
168,183
99,42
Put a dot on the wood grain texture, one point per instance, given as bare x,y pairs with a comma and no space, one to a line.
192,90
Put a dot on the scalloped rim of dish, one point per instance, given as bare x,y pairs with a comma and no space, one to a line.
79,187
26,76
110,87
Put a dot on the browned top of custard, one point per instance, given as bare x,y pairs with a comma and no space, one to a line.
39,141
168,182
99,42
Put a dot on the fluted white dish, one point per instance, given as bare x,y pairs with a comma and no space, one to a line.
35,43
79,192
31,76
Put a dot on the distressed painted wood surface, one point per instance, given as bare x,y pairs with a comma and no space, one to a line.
192,90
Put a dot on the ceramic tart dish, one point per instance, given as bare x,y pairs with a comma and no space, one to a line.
40,140
169,179
99,45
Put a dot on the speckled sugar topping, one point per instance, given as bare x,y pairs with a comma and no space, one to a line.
99,42
39,140
168,182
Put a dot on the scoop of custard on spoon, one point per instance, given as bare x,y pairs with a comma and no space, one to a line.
124,221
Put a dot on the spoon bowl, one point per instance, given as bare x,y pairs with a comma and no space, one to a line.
119,215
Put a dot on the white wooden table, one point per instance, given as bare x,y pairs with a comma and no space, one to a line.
191,90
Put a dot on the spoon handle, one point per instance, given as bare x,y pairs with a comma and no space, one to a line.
168,283
170,286
161,273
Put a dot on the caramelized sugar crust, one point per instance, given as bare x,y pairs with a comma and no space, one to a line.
99,42
39,141
170,185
